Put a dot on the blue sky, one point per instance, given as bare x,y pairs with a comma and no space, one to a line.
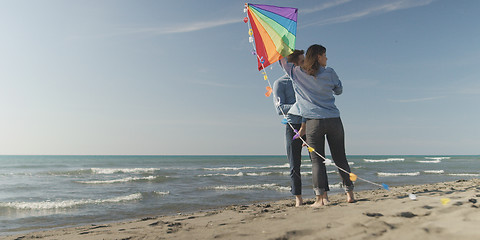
178,77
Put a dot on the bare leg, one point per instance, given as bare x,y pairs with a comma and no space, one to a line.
325,199
350,197
298,200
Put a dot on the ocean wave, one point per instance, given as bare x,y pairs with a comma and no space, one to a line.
228,168
123,170
301,173
104,171
434,161
239,174
267,186
385,160
383,174
262,173
122,180
45,205
465,174
162,193
437,158
434,171
286,165
333,164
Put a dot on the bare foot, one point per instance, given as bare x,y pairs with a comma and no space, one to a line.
317,204
298,200
350,197
320,201
326,201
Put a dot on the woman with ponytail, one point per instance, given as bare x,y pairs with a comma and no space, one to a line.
315,86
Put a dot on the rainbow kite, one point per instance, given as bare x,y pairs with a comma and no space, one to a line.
274,30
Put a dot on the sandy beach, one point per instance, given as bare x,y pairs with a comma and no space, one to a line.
447,210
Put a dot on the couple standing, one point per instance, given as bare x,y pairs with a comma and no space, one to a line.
307,95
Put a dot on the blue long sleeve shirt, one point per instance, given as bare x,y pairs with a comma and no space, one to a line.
284,99
314,94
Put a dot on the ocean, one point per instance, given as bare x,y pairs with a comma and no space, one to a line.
42,192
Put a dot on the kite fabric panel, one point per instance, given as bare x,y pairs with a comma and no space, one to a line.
274,30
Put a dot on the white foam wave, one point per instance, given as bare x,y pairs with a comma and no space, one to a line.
162,193
122,180
123,170
333,164
434,171
434,161
385,160
383,174
261,174
301,173
465,174
240,174
338,185
286,165
45,205
228,168
267,186
437,158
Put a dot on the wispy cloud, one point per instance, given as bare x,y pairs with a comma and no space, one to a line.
191,27
187,27
214,84
417,100
390,6
171,29
324,6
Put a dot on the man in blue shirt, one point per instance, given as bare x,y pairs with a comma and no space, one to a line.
284,100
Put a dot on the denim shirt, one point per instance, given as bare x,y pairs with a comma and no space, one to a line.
314,94
284,99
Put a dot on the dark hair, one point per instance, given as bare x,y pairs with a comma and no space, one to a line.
311,64
293,58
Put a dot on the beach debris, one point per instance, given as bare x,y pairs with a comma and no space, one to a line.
445,201
385,186
472,200
374,214
155,223
428,207
407,214
412,196
353,177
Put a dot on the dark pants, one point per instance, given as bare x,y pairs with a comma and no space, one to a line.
294,155
332,128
